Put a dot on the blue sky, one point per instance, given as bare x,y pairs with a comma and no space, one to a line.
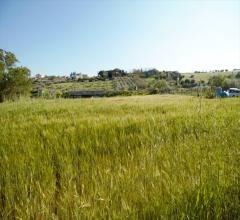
58,37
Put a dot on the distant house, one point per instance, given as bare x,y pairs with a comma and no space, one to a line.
111,73
86,94
173,75
76,76
151,72
39,76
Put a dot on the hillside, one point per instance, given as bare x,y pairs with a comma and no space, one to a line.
118,82
52,88
205,76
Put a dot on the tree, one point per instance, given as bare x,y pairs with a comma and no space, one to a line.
218,81
238,75
161,85
140,82
14,81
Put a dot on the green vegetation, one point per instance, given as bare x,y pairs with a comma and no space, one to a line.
205,76
118,82
146,157
14,81
58,89
224,81
97,85
160,86
219,81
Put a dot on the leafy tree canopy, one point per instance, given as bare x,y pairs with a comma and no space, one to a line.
218,80
160,84
238,75
14,81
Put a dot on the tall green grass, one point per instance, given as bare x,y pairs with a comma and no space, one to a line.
148,157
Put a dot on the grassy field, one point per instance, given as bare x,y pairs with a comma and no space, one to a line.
205,76
145,157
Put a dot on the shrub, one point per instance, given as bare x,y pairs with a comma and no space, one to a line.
210,93
218,81
238,75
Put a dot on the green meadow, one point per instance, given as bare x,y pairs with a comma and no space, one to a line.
205,76
138,157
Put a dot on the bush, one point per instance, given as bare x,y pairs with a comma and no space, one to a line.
238,75
187,83
59,94
218,81
65,94
152,90
210,94
140,82
160,86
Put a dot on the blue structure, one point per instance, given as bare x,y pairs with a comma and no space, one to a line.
220,93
